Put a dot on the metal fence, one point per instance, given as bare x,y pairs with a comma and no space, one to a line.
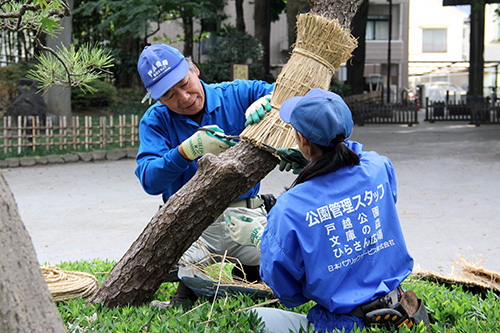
23,134
398,113
474,113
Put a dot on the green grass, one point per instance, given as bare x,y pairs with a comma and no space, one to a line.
451,309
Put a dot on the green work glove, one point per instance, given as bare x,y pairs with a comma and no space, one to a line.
203,142
257,110
244,230
292,159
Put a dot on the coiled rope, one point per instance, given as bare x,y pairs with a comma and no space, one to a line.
65,285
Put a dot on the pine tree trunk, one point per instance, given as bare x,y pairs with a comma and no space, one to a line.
219,181
25,301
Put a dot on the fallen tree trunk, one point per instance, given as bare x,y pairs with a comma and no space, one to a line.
219,181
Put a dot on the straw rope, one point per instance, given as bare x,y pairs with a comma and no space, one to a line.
322,46
315,57
65,285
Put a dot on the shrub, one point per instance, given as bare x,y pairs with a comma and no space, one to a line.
232,46
9,75
105,95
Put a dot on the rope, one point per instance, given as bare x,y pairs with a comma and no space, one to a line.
65,285
316,57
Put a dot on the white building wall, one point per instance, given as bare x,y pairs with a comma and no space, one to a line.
430,14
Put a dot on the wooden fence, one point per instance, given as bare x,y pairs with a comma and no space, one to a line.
474,113
33,134
398,113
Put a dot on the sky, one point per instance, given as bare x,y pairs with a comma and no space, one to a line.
465,9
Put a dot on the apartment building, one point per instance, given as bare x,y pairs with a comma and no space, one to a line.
439,39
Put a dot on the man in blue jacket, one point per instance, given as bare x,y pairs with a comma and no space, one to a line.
171,141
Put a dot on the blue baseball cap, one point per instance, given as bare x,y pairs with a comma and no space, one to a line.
161,67
319,116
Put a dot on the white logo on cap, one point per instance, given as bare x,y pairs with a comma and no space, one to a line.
158,68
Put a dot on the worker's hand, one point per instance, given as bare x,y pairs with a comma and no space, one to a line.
244,230
257,110
203,142
292,159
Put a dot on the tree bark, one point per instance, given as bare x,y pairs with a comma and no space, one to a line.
25,301
294,8
356,66
219,180
262,24
187,26
240,19
342,10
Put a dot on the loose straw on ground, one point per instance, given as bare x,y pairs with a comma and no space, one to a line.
65,285
470,275
322,46
223,277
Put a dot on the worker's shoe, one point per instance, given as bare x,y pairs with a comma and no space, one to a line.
184,297
172,275
250,273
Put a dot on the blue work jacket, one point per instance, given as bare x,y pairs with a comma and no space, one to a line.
336,239
160,167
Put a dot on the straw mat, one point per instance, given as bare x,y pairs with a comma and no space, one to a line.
65,285
471,275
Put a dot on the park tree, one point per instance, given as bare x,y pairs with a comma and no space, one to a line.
124,27
208,12
356,66
26,304
265,12
294,8
240,20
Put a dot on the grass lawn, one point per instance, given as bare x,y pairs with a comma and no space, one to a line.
450,308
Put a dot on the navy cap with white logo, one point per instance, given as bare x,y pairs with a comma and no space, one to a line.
319,116
161,67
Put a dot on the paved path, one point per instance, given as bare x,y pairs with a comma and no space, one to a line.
448,187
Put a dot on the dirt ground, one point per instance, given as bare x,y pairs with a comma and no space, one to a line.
448,186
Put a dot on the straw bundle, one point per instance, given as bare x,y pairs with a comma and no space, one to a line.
322,46
64,285
471,275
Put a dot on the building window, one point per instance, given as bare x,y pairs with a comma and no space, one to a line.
434,40
377,28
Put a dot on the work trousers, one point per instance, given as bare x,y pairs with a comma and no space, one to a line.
216,239
281,321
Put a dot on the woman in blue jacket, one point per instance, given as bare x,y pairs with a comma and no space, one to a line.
334,237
